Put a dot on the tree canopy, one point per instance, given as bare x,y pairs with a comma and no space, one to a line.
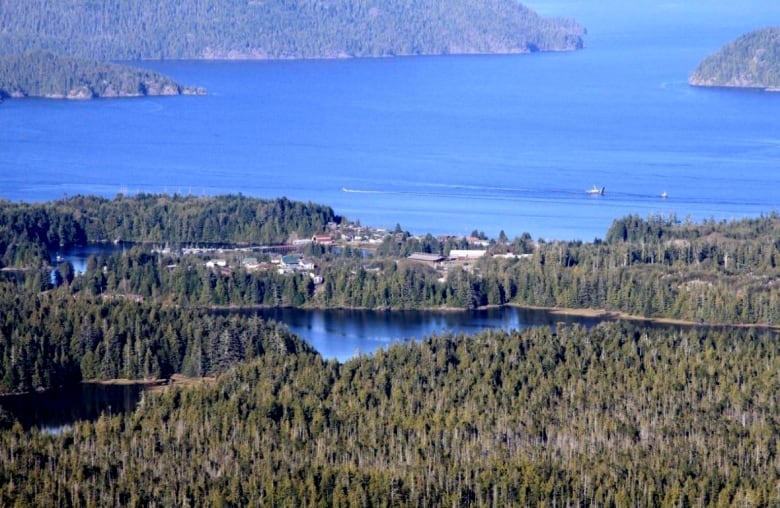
45,74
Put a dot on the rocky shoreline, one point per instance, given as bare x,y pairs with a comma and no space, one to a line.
47,75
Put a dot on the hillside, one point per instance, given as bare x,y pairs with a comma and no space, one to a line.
45,74
751,61
253,29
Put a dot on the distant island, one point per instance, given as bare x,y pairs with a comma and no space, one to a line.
280,29
45,74
751,61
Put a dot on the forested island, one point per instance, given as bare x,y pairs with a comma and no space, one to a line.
751,61
46,74
619,414
276,29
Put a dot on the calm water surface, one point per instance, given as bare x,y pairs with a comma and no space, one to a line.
342,334
56,410
439,144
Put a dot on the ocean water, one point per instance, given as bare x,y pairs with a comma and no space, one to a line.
444,144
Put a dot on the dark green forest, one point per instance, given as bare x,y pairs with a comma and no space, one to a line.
620,414
45,74
617,415
225,29
52,340
751,61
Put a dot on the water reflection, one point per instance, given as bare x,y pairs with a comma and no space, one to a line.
336,334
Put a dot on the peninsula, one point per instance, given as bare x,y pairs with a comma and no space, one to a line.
751,61
45,74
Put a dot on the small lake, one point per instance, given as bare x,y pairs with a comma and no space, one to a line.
79,255
342,334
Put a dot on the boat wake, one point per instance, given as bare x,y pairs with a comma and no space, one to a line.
364,191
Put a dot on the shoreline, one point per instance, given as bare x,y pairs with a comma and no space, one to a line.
614,315
153,385
179,380
604,314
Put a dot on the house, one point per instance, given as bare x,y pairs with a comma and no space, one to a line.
322,239
291,262
474,240
250,263
216,262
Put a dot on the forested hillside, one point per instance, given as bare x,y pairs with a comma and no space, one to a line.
147,29
751,61
613,416
51,340
45,74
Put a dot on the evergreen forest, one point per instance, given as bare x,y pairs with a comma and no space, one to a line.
628,412
227,29
618,415
750,61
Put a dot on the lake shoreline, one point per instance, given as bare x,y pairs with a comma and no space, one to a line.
154,384
603,314
625,316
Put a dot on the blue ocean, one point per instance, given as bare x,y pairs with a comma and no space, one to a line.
446,144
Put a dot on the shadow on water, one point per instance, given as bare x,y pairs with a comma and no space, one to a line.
55,410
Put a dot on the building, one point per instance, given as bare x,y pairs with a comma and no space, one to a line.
322,239
426,259
466,254
291,262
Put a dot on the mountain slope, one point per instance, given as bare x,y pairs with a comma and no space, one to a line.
147,29
751,61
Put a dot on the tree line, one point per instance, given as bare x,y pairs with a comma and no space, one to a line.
656,267
29,232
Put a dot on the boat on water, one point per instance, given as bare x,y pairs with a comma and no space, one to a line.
664,195
595,191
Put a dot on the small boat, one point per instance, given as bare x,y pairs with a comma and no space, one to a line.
595,191
664,195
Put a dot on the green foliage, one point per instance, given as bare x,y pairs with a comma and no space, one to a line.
143,29
44,74
618,415
50,340
751,61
